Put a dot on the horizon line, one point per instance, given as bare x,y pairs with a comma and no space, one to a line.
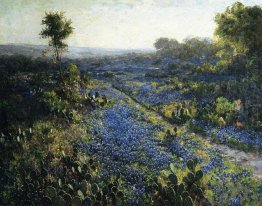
105,48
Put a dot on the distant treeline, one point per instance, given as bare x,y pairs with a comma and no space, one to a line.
190,48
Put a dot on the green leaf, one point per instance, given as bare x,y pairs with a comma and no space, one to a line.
181,188
87,201
190,165
188,201
80,194
79,169
172,167
76,201
94,188
178,200
200,192
50,191
70,186
58,201
185,195
191,177
173,179
199,174
60,182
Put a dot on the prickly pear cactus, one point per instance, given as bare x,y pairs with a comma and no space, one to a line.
188,192
72,182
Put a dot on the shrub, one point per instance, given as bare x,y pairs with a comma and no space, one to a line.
85,77
109,74
150,75
184,111
195,127
212,118
238,65
187,66
224,106
205,68
198,89
173,66
70,89
41,78
73,74
53,102
224,112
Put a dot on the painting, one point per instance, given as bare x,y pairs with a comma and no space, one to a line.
130,102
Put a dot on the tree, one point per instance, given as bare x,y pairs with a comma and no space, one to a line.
166,46
161,43
241,27
57,29
190,48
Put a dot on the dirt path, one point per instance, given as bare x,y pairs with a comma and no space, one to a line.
235,155
242,158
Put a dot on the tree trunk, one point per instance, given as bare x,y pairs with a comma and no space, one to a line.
59,64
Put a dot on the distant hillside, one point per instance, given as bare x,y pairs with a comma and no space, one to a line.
73,52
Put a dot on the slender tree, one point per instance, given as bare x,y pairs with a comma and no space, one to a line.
57,29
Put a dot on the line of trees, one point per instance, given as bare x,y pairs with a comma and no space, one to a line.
201,48
238,32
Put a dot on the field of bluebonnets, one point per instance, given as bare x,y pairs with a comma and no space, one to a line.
146,132
180,126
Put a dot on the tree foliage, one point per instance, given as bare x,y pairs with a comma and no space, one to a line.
189,48
166,45
241,27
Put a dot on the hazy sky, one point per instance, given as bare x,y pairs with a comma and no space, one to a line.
113,23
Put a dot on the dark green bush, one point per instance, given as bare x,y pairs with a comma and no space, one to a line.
150,75
109,74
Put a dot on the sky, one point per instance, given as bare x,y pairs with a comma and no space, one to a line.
128,24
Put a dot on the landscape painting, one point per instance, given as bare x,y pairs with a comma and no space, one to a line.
131,102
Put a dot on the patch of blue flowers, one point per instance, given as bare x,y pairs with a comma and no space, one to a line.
122,138
215,162
123,141
149,95
235,202
176,148
224,134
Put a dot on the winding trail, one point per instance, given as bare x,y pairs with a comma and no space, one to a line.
245,159
242,158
